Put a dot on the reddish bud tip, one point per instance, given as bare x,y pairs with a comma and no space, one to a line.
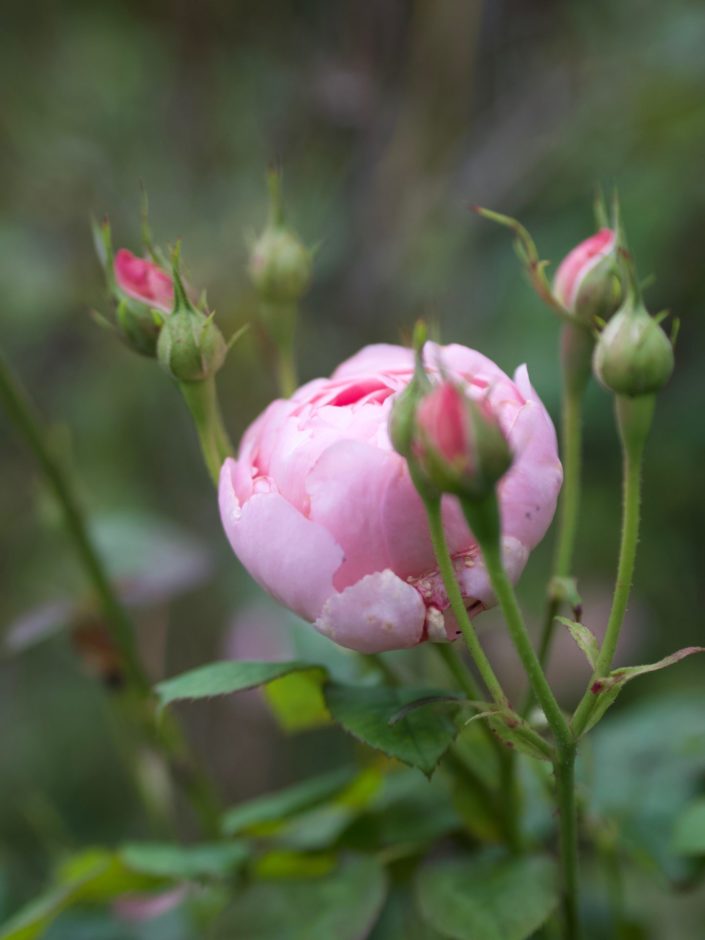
143,281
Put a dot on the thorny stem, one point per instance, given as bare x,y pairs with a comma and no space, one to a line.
576,352
483,519
634,420
455,598
484,667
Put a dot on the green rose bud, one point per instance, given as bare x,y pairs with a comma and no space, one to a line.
633,356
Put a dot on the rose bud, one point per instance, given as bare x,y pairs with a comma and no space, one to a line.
459,444
402,418
633,356
143,293
190,347
280,264
322,512
587,281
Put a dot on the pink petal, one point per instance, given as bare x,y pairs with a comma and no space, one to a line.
143,280
380,357
381,612
529,491
578,263
474,580
363,496
291,557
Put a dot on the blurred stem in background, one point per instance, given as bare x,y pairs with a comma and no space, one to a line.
159,732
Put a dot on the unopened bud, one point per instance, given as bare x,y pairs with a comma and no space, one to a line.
633,356
402,419
143,293
280,264
459,445
191,347
588,282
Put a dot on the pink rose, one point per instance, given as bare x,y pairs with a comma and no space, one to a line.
142,280
322,513
579,263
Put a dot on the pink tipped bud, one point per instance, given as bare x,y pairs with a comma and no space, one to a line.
459,444
143,281
587,281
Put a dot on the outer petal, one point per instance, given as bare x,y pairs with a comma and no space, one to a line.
380,357
529,491
380,612
474,580
464,362
578,263
291,557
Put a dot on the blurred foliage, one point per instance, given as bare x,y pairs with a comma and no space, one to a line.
390,120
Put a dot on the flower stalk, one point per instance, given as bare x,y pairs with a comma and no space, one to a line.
634,416
483,518
576,352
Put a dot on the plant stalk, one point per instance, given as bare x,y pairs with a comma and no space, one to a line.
576,354
564,769
634,420
202,401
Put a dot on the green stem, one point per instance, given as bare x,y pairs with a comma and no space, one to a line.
165,734
458,670
568,515
202,401
484,667
576,353
457,605
564,768
286,371
483,519
280,320
634,420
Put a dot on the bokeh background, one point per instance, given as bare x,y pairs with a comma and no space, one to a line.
389,119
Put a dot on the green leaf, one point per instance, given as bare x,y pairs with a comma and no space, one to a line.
274,807
341,906
92,877
689,835
401,921
607,689
185,862
297,700
644,766
584,637
419,738
224,678
489,897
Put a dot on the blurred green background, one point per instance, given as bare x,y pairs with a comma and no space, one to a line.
389,119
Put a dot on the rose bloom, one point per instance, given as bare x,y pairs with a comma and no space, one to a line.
321,511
